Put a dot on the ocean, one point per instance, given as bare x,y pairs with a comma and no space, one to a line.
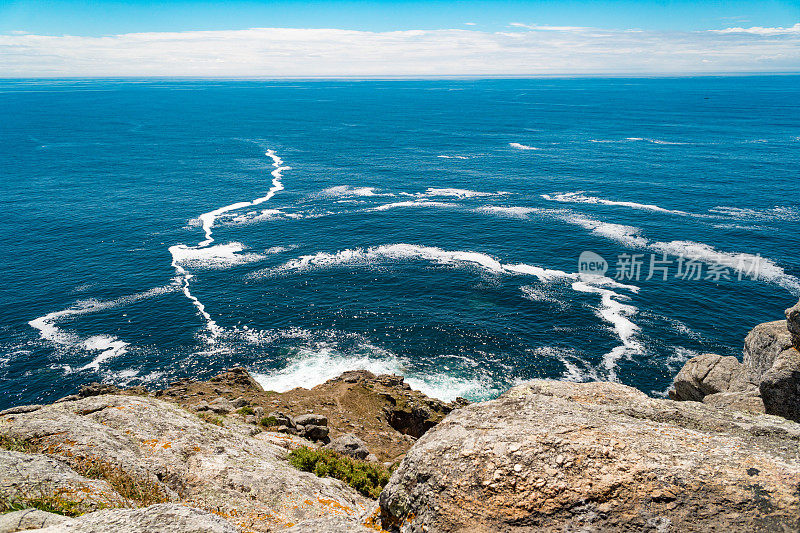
156,229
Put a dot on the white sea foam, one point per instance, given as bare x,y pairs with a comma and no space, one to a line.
512,212
617,314
180,252
579,197
452,157
220,256
627,235
48,330
610,310
636,139
777,213
390,252
347,190
519,146
458,193
575,369
748,265
315,365
108,346
262,215
207,219
542,294
413,203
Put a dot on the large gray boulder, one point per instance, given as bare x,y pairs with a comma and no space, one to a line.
554,456
793,323
748,401
161,518
762,345
780,386
349,444
706,374
179,457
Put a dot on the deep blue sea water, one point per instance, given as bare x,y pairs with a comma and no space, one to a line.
156,229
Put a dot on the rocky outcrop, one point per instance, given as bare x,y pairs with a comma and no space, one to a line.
767,380
383,411
793,324
780,386
762,345
552,456
350,445
163,518
27,479
706,374
154,448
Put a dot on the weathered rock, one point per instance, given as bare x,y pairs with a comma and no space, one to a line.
703,375
315,433
200,406
161,518
95,389
29,519
349,444
311,419
762,345
748,401
780,386
224,469
329,525
793,324
282,419
553,456
21,409
30,477
221,406
239,402
240,378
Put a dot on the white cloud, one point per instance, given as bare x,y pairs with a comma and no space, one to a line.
470,24
538,27
334,52
759,30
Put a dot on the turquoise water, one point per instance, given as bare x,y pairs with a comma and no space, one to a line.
157,229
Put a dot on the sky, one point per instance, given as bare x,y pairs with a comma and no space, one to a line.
396,38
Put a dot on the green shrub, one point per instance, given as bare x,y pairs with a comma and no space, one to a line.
246,410
269,421
367,478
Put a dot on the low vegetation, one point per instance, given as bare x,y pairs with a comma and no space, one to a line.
268,421
211,419
138,490
51,503
245,411
367,478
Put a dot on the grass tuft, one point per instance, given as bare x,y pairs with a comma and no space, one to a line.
246,410
50,503
367,478
211,419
